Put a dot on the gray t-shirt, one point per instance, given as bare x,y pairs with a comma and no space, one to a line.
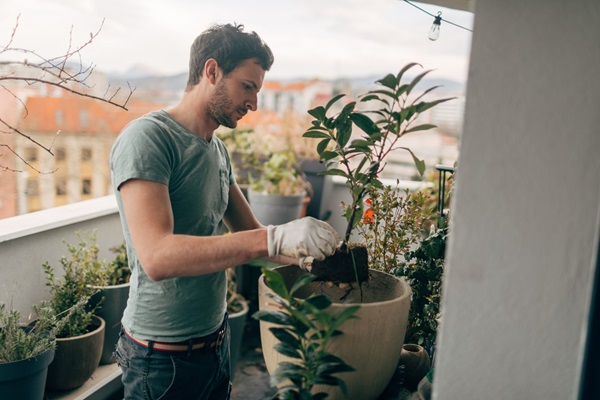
198,173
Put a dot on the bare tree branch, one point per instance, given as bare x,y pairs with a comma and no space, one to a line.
66,72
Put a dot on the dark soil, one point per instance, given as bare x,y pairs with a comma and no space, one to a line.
339,267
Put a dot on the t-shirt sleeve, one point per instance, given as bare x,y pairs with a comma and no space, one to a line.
142,151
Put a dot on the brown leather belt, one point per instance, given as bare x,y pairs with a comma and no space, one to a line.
188,345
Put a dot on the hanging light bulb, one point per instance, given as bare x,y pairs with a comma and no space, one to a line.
434,32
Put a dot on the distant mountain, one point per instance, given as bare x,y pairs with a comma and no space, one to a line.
170,87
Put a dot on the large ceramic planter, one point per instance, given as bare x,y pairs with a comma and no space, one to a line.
76,358
111,311
237,323
25,379
372,343
274,209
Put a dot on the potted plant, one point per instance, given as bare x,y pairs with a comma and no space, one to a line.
25,353
373,342
80,336
280,193
112,284
305,329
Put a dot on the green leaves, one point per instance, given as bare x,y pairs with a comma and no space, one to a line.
304,328
357,154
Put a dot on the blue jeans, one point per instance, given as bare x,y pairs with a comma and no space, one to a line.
151,374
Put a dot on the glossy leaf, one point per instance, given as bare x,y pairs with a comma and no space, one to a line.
364,123
423,127
389,81
315,134
320,302
318,112
301,282
420,164
333,101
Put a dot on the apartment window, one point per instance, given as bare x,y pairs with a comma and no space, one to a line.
86,186
33,187
59,117
86,154
83,119
61,187
31,154
60,154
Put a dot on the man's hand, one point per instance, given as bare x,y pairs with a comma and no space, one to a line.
306,237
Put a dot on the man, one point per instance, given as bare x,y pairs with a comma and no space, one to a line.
175,188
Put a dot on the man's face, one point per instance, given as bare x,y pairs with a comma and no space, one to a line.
236,94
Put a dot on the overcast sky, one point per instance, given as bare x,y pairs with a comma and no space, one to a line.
310,38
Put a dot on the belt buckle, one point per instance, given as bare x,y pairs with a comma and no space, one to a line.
220,337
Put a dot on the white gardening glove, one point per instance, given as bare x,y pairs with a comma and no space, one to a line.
305,237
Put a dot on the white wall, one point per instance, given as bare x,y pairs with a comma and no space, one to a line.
524,229
27,241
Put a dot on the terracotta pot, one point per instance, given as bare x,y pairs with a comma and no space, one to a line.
76,358
415,360
371,343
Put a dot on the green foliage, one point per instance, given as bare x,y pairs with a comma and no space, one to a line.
360,160
392,224
280,175
20,342
235,301
81,271
245,158
118,271
424,268
304,328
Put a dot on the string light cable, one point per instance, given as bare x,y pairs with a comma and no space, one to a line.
434,32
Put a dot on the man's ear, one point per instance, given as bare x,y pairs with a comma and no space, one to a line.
211,70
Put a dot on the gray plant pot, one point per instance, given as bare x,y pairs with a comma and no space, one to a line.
25,379
273,209
76,358
111,310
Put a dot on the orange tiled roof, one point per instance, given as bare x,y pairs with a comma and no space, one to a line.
78,114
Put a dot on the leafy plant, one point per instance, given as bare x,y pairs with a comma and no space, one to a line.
424,268
81,271
392,223
360,160
280,175
118,271
20,342
305,329
235,301
246,159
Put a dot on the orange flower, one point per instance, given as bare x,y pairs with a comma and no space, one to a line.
368,217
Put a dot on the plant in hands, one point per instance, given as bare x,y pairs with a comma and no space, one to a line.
304,329
360,160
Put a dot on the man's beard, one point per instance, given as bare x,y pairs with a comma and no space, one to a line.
220,107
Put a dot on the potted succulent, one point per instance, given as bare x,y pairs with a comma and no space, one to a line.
80,336
281,192
385,300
